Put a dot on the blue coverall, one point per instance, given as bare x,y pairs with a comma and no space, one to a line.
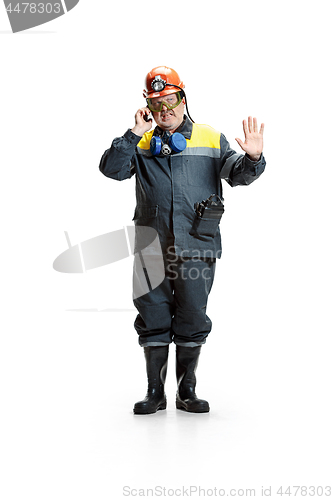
167,188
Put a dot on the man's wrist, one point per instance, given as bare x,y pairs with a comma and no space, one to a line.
137,131
254,157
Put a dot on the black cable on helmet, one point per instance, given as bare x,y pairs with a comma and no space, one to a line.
187,107
182,95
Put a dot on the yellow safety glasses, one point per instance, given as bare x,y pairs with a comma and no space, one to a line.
171,101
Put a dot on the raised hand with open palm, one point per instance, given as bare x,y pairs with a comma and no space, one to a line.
253,144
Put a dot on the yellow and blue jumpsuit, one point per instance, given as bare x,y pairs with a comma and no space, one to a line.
167,189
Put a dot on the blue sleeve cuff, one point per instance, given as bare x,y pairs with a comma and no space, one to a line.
248,159
131,137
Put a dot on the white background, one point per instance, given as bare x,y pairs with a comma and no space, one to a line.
69,379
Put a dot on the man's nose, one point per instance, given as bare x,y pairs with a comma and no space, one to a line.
164,107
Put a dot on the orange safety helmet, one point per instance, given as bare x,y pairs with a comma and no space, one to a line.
160,81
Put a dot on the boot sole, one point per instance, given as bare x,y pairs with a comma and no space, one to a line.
144,411
184,407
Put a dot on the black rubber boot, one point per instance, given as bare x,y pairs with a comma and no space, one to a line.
186,364
156,364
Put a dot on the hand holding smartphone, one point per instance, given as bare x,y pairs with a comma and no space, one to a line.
143,121
148,117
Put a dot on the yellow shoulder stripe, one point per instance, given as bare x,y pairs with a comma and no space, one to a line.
145,140
204,136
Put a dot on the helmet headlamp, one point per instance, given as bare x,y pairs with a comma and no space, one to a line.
158,84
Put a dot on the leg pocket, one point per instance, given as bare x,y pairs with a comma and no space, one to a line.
146,229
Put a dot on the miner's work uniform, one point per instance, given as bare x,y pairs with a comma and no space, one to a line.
167,188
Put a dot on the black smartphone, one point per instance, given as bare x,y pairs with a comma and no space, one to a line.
147,118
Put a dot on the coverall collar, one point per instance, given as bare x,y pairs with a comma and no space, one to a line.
185,128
